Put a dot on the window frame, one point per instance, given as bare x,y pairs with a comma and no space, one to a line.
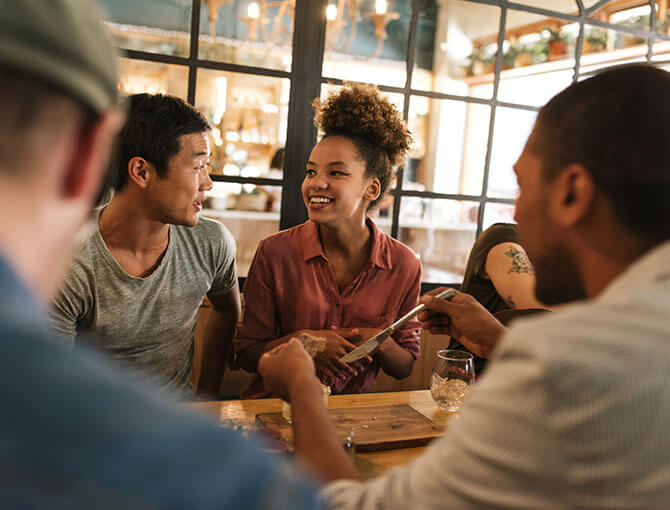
306,80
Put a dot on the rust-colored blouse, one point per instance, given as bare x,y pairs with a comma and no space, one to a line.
290,286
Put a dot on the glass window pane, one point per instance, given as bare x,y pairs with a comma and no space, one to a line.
661,52
625,14
258,34
497,213
564,6
366,41
441,232
456,48
511,130
662,17
250,212
533,89
606,47
382,214
538,58
449,150
137,76
155,26
248,114
589,3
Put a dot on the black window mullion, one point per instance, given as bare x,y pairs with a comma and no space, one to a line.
193,53
580,39
259,181
492,119
309,36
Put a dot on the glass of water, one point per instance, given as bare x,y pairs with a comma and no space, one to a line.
453,373
286,407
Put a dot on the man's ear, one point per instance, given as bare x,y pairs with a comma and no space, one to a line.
84,174
373,190
139,171
573,194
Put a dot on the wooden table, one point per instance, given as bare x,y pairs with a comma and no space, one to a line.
243,413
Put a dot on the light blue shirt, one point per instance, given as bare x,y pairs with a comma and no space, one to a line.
74,434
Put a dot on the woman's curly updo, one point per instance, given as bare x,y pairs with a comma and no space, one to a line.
361,114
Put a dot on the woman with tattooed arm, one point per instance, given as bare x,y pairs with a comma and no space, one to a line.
499,277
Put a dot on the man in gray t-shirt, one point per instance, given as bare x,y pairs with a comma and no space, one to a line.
136,284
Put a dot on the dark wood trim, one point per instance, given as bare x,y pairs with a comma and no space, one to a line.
309,36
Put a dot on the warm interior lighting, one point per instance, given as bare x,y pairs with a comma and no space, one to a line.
220,90
270,108
331,12
270,20
253,11
381,6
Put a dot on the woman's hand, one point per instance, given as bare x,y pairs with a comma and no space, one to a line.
337,346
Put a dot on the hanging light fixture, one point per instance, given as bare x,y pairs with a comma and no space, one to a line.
340,15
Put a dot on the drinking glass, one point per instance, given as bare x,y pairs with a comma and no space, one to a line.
453,373
286,407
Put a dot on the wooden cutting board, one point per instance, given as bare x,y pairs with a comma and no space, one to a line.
375,427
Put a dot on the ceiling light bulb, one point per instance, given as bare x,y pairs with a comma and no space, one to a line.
381,6
253,11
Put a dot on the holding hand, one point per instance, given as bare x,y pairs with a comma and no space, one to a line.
337,345
463,318
357,336
284,366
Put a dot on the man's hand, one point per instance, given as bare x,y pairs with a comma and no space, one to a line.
284,365
463,318
288,371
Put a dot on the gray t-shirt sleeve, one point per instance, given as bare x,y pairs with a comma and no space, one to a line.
226,268
70,304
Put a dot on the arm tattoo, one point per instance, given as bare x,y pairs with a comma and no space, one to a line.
509,302
520,262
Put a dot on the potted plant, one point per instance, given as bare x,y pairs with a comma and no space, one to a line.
510,56
525,57
663,27
482,60
595,39
624,40
558,43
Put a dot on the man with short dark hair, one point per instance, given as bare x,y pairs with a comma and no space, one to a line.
73,433
136,284
574,409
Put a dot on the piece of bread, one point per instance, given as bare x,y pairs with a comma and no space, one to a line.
312,344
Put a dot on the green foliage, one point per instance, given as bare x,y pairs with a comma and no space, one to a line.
554,35
483,54
597,37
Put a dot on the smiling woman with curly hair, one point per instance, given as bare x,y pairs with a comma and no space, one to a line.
336,277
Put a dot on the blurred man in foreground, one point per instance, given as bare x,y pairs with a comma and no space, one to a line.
73,435
574,409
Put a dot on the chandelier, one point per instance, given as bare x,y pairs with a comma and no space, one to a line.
342,18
